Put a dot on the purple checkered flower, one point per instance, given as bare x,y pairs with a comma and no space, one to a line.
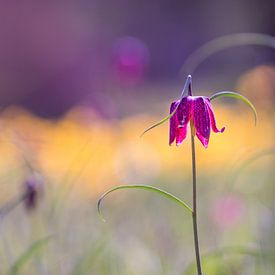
197,109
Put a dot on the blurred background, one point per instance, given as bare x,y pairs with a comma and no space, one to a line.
79,82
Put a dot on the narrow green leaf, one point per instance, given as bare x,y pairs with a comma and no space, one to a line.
160,122
187,85
32,250
197,57
242,165
237,96
145,187
87,262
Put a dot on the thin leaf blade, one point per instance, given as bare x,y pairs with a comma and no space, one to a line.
86,262
144,187
160,122
32,250
157,124
237,96
187,86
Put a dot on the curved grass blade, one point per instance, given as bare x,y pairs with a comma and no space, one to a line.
144,187
237,96
196,58
159,123
238,170
32,250
86,263
187,86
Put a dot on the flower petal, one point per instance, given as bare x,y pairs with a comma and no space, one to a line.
184,115
174,123
184,110
181,134
212,117
201,120
179,121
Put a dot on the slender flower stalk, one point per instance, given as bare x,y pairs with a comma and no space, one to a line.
194,185
194,212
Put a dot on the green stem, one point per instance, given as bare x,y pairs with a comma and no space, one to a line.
194,213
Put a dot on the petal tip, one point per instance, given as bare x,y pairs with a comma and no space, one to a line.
205,143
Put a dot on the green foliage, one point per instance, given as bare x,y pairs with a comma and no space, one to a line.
148,188
244,164
160,122
196,58
87,261
187,85
228,260
237,96
34,249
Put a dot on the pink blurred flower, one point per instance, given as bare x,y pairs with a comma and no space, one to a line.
227,211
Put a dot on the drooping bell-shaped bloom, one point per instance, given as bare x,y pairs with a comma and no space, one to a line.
197,109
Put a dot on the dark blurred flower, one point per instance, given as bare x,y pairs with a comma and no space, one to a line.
32,191
197,109
130,60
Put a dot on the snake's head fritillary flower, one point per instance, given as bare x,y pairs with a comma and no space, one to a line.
196,109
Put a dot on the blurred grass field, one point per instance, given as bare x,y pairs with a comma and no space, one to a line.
82,155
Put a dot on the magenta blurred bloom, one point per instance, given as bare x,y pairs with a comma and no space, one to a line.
130,59
197,109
